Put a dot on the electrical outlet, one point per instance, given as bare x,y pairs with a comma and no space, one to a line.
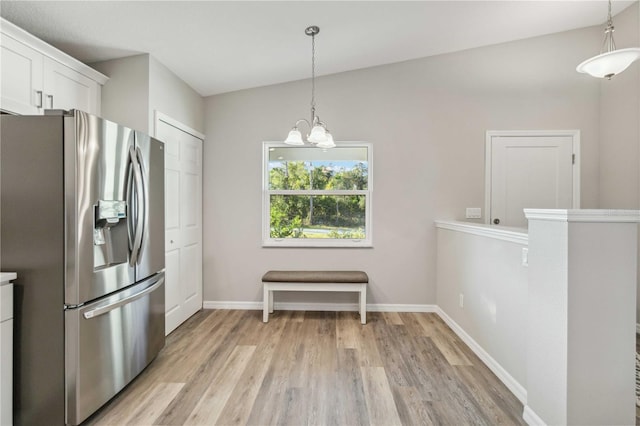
525,256
474,212
461,300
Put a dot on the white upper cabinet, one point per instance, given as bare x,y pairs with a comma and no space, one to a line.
36,76
21,77
68,89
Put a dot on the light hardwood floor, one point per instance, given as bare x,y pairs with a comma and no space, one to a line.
321,368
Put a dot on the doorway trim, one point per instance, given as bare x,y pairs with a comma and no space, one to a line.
159,116
490,134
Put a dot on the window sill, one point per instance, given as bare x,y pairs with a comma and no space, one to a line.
305,243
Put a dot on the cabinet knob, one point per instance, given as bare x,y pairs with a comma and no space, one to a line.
496,221
171,241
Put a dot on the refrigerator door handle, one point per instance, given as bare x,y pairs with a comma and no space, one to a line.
137,178
110,307
130,208
142,213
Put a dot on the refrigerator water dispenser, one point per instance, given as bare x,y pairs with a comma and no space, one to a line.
110,236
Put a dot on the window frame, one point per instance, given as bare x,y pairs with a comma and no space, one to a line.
268,241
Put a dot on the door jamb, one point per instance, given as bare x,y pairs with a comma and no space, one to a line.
575,134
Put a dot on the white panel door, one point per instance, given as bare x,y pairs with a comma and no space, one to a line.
529,171
21,78
191,209
183,222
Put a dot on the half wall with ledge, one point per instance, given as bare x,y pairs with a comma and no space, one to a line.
551,311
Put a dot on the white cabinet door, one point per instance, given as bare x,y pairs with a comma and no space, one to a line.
530,170
183,223
6,354
6,372
36,76
68,89
21,78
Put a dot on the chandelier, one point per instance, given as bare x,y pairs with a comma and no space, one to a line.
319,134
610,61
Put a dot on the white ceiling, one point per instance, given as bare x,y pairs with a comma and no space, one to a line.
222,46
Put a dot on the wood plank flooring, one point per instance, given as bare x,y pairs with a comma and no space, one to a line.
319,368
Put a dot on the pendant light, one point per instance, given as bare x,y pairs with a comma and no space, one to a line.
610,61
319,134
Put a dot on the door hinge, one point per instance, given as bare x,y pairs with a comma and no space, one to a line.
573,159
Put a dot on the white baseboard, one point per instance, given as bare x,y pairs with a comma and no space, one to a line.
531,417
331,307
249,306
384,307
516,388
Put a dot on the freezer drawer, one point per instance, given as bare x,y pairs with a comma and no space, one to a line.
109,342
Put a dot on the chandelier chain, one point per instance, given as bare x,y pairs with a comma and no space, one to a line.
318,133
313,76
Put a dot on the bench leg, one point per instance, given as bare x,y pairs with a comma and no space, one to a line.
271,301
265,303
363,304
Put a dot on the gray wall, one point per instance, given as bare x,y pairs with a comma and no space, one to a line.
427,120
173,97
125,97
139,85
619,118
620,127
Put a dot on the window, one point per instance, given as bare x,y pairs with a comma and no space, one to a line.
314,197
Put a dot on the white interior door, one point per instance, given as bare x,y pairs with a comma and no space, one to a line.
530,170
183,220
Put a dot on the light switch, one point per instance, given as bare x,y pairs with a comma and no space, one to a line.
474,212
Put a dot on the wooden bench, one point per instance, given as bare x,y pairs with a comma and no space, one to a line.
352,281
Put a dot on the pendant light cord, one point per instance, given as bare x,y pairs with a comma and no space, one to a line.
608,44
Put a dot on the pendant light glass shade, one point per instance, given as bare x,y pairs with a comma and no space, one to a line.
294,137
318,134
329,143
610,61
608,64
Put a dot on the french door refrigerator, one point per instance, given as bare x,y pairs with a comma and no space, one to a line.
82,223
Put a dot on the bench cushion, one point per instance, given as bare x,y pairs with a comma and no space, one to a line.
315,277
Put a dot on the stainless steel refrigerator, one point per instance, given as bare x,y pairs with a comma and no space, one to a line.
82,223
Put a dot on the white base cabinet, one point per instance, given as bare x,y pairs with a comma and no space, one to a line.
36,76
6,349
6,381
